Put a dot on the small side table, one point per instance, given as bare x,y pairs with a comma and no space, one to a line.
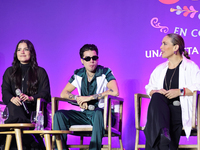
18,130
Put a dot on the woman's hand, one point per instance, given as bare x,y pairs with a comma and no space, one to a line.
82,99
25,97
161,91
16,101
172,93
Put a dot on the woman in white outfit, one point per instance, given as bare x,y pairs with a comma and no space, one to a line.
171,87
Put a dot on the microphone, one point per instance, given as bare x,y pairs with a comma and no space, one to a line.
18,92
91,107
176,103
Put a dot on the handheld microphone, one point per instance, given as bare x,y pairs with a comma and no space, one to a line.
18,92
91,107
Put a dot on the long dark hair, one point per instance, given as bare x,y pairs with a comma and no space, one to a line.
178,40
32,71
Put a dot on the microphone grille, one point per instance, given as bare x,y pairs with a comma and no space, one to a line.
18,92
91,107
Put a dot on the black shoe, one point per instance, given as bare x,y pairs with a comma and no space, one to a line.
165,136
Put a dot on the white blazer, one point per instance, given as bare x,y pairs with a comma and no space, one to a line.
189,77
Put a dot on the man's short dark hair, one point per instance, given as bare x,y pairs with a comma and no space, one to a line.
88,47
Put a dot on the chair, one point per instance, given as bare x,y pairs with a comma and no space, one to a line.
86,130
195,120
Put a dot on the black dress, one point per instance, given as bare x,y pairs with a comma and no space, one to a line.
17,114
163,114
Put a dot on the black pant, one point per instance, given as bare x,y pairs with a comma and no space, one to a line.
162,114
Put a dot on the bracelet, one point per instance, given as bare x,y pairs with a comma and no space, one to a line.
75,97
184,92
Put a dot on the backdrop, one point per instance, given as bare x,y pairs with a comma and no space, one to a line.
128,34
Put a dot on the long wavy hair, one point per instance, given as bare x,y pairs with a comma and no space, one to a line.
32,71
178,40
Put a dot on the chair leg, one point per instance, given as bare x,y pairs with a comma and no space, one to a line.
109,140
8,141
53,141
137,139
59,142
18,137
47,141
121,144
198,138
81,140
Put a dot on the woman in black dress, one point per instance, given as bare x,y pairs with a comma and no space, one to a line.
32,80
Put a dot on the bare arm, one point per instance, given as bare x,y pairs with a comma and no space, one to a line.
66,92
112,90
188,92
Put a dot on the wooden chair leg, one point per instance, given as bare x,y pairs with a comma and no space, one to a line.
8,141
18,137
120,142
59,142
81,140
53,141
47,141
137,139
109,140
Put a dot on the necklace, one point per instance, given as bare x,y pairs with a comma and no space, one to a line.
170,82
25,75
23,79
89,77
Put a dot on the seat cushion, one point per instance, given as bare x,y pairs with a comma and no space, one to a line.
80,128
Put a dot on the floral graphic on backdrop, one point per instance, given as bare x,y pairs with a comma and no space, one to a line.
156,24
191,11
168,1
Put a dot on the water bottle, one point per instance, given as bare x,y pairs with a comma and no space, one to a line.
40,121
1,118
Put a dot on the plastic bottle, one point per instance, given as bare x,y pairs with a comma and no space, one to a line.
1,114
40,121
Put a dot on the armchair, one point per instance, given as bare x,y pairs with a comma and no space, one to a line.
195,120
86,130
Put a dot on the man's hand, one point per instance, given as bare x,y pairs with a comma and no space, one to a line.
172,93
84,106
16,101
83,99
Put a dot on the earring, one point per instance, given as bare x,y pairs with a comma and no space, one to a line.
175,52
